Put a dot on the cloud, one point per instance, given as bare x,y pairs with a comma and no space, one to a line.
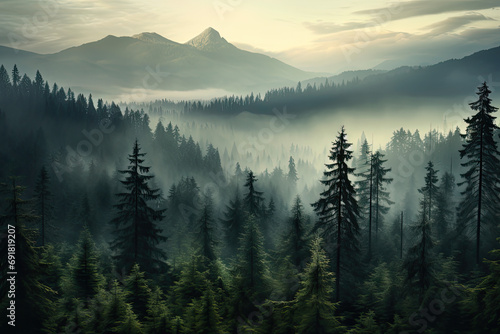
408,9
323,28
453,23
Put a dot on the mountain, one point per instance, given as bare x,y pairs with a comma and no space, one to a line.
149,62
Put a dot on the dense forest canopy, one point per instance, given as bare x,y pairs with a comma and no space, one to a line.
123,225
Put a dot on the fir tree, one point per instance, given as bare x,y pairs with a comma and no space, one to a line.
292,177
233,223
136,233
32,298
430,190
251,273
158,319
444,211
295,240
83,279
314,310
338,209
419,258
204,238
138,291
205,318
479,207
380,194
253,198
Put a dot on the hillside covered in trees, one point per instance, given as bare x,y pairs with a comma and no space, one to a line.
111,223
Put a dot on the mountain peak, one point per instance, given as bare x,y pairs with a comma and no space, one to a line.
152,37
208,40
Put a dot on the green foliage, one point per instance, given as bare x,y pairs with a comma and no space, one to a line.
483,300
138,291
82,279
314,310
338,209
366,324
136,233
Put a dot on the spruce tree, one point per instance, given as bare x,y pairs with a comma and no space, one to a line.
444,214
204,234
314,310
419,263
380,194
364,190
292,177
233,222
33,304
253,198
83,279
430,190
295,239
138,291
479,206
251,273
158,319
338,210
136,234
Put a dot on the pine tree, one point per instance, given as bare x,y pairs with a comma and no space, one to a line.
43,197
205,311
338,209
482,301
444,211
158,319
204,235
251,273
364,189
419,258
33,304
138,291
83,279
253,198
189,286
481,195
233,222
314,310
430,190
295,238
380,195
15,77
292,177
136,234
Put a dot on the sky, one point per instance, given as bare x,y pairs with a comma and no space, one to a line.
327,36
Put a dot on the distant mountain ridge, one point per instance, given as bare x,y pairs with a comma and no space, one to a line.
152,62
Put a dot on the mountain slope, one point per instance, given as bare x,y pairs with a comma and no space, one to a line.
149,61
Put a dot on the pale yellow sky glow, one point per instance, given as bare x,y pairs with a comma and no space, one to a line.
319,35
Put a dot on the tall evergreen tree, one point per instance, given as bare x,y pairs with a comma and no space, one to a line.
430,190
419,258
444,214
295,241
380,195
138,291
479,207
364,189
136,233
253,198
205,242
233,222
33,305
251,272
83,279
43,197
292,177
314,310
338,210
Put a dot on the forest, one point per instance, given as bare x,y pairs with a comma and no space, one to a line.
113,223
